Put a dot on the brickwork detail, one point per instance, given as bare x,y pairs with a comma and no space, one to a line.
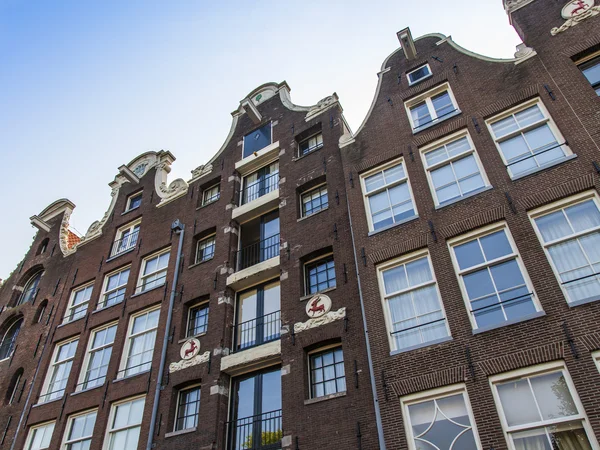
453,126
511,100
561,191
377,160
476,221
425,85
530,357
590,341
399,249
430,381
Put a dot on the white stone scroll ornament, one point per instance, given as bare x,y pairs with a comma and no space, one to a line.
331,316
575,12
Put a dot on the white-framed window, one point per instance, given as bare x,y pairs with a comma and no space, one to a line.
59,370
319,274
388,195
205,249
124,424
30,289
440,419
211,194
78,302
453,168
133,201
126,238
495,285
590,67
113,289
569,231
311,144
154,270
419,74
539,409
97,357
527,138
431,107
188,408
260,182
9,339
40,436
139,344
314,200
412,302
79,431
197,319
327,373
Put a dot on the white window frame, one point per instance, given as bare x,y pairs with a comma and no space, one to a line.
213,237
307,192
583,64
52,365
305,274
201,305
105,291
179,392
596,356
556,206
128,339
141,278
207,190
115,250
270,184
65,440
381,168
412,83
452,159
111,417
314,147
88,352
34,428
326,349
531,371
546,120
130,198
478,233
434,394
426,97
71,307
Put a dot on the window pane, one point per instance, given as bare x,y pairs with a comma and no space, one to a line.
442,104
418,74
518,403
374,182
553,396
505,126
257,140
553,226
469,254
583,216
420,114
592,73
495,245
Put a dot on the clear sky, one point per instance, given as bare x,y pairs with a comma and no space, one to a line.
87,86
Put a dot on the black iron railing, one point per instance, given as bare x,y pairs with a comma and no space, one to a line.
260,432
260,187
513,301
257,331
77,312
133,370
110,299
90,383
398,333
257,252
125,243
534,154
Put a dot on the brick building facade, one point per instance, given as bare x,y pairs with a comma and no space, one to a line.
458,225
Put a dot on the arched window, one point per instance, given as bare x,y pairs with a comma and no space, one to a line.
39,315
7,344
30,288
43,246
12,394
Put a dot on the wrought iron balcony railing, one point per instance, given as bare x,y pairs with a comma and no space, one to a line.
125,243
257,331
260,187
260,432
257,252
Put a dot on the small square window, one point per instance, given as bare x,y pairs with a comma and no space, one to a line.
257,140
311,144
591,71
418,74
320,275
197,320
79,431
431,107
113,290
134,201
327,374
205,249
314,200
188,407
211,194
154,271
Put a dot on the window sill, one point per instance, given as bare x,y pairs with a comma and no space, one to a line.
324,291
106,307
509,322
436,121
48,402
312,215
200,263
86,390
129,210
309,153
464,197
544,167
208,204
137,294
179,432
583,302
196,336
120,254
397,224
312,401
422,345
116,380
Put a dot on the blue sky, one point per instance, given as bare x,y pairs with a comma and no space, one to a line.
87,86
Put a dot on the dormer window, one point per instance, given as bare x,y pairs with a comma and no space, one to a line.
134,201
419,74
431,107
257,140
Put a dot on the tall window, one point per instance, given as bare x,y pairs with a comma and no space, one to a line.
205,249
133,201
570,233
113,290
197,320
492,277
527,138
39,436
453,168
124,424
211,194
388,196
78,303
311,144
261,182
59,371
258,316
188,407
440,419
419,74
154,271
320,275
9,339
141,336
127,238
431,107
30,288
591,70
79,431
539,409
14,386
412,303
327,374
314,200
97,357
257,140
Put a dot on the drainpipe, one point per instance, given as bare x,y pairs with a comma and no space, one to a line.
366,330
178,228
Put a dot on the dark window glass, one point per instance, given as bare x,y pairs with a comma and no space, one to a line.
314,201
205,249
257,140
312,143
198,320
30,289
7,345
419,74
320,275
135,201
591,70
327,375
188,409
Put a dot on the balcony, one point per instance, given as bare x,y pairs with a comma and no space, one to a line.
258,196
259,432
257,331
125,243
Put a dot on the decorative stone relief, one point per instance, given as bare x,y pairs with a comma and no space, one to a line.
176,188
64,236
513,5
318,306
321,106
185,363
202,170
576,12
523,52
331,316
